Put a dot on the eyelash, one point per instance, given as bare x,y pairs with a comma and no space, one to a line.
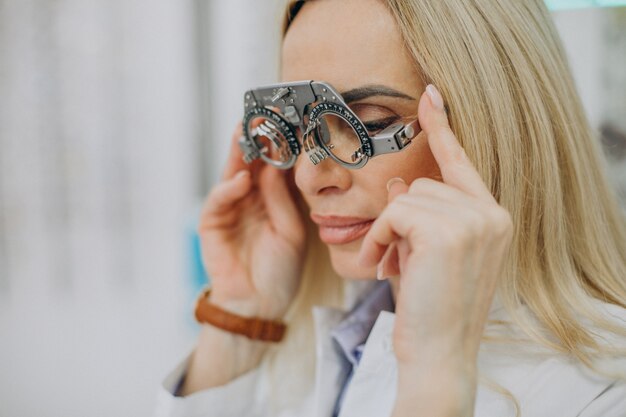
377,125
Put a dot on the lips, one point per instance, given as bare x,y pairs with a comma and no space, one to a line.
339,230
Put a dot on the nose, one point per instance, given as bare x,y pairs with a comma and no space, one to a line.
327,177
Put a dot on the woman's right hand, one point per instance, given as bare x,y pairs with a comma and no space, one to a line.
252,237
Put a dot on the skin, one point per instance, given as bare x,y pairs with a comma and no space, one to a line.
367,55
438,230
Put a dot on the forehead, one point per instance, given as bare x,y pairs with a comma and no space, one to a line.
346,43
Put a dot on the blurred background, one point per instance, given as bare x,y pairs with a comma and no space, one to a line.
115,116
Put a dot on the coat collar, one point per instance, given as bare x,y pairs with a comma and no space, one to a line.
543,384
332,368
355,328
334,326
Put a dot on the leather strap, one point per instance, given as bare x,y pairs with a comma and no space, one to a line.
252,327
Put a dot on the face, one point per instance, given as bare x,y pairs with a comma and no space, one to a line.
354,45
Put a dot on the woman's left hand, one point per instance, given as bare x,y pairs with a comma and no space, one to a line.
451,239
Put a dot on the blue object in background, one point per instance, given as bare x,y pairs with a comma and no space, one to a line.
199,278
577,4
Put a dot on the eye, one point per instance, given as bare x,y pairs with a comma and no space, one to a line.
374,126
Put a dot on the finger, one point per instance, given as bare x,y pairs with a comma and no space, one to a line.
281,208
427,187
456,168
392,266
403,253
400,221
472,216
411,220
235,162
227,193
379,237
388,265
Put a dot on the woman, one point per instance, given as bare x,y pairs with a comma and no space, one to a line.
502,192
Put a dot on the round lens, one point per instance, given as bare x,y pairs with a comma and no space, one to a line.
270,140
340,138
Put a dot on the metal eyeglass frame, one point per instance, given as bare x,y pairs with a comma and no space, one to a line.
300,106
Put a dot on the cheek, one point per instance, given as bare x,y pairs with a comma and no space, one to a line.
413,162
344,263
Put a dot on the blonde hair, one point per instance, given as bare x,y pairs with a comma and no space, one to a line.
513,106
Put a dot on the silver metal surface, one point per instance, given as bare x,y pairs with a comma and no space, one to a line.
295,102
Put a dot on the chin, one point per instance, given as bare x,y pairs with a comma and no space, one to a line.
344,261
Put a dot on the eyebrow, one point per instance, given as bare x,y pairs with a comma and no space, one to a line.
367,91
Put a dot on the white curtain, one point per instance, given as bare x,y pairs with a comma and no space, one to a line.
115,117
98,177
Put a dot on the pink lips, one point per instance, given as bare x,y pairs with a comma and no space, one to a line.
338,230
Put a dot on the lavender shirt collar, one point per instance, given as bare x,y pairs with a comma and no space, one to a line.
352,332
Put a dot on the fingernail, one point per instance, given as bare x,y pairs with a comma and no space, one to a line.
393,181
242,173
435,97
379,270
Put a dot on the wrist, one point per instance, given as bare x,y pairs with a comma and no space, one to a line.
253,327
247,307
241,352
220,357
435,389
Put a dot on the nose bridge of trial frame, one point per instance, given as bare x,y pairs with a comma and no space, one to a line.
293,99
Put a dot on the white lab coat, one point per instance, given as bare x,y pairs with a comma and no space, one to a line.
545,385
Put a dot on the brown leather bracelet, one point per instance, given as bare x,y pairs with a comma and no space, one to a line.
252,327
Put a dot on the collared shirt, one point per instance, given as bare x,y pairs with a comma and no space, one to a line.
350,335
544,383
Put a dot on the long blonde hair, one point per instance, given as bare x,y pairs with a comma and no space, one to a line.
513,105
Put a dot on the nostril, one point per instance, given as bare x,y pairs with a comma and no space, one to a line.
330,190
